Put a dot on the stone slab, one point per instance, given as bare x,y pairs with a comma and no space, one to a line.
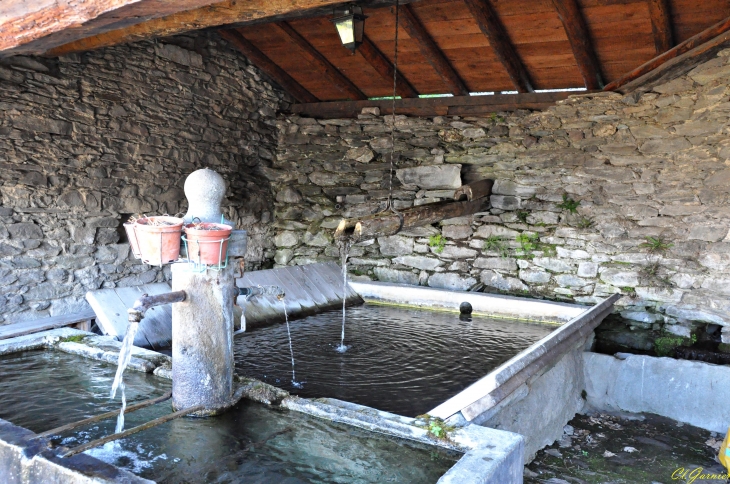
490,456
692,392
489,391
483,304
23,461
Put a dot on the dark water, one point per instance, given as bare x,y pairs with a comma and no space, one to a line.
400,360
251,443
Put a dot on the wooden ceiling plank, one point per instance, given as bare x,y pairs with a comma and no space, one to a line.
457,105
260,60
490,24
661,25
214,14
580,41
385,68
431,51
706,41
315,58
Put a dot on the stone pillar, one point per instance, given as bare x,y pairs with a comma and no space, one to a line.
202,339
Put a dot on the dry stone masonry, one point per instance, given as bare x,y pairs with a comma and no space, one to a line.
602,193
86,140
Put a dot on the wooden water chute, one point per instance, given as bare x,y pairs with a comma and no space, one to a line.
468,199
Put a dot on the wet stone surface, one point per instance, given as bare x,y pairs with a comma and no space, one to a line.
601,448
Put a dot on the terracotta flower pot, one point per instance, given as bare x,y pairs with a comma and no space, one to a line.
207,242
158,239
132,237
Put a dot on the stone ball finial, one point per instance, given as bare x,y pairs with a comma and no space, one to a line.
205,190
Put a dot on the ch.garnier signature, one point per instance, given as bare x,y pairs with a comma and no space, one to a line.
696,474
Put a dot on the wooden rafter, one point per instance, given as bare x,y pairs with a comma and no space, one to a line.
260,60
438,106
580,41
431,52
698,47
661,25
492,27
320,62
385,68
214,14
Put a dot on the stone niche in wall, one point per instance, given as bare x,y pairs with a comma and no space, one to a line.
87,140
599,194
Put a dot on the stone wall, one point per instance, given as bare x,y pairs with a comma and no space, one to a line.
86,140
599,194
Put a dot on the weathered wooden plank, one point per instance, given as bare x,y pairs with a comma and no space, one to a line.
110,306
126,29
433,106
45,324
259,59
694,47
297,274
385,68
332,274
474,190
492,27
661,25
580,41
321,63
384,224
431,51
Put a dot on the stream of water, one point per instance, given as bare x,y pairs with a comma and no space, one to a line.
345,250
294,381
125,355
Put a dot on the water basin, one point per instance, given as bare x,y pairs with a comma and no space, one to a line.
404,361
45,389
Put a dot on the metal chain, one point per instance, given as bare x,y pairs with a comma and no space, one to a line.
392,121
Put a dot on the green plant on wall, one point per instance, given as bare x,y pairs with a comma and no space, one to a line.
665,345
494,243
584,222
569,204
437,243
522,216
656,245
496,118
528,242
651,272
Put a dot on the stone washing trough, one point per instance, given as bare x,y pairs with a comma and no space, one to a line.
490,455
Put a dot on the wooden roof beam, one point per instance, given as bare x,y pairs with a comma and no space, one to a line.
186,18
492,27
385,68
580,41
661,25
267,66
436,106
320,62
431,52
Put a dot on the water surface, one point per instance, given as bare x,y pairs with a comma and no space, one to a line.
404,361
251,443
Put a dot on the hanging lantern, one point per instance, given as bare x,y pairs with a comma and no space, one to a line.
351,26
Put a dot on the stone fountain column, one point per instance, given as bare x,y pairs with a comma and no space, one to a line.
202,325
